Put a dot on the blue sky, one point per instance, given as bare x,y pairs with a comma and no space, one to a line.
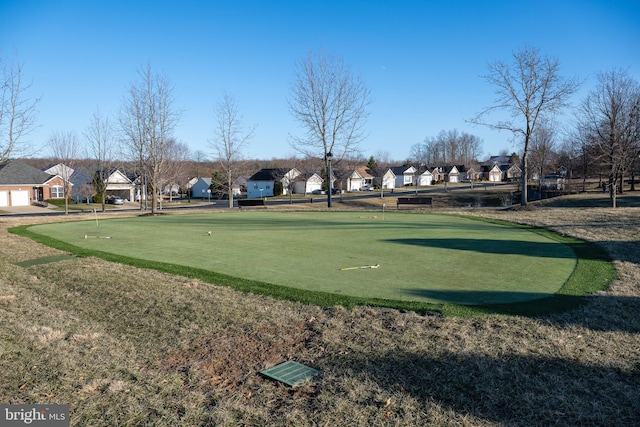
422,60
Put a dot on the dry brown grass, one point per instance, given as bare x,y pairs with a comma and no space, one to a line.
125,346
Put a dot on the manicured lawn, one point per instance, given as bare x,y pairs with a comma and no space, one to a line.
422,257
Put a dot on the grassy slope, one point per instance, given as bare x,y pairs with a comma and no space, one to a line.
141,347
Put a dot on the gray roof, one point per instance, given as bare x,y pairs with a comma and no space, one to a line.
18,173
399,170
269,174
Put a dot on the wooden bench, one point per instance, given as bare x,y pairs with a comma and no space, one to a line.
243,203
414,201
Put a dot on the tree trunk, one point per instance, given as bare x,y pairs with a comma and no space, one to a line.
621,179
154,199
540,183
612,191
523,199
230,187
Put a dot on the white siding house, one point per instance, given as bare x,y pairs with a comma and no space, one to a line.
119,184
307,183
404,175
495,174
239,186
355,181
424,178
388,180
453,175
348,180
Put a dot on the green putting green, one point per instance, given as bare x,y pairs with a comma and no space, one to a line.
401,256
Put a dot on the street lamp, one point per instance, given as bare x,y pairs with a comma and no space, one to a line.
329,157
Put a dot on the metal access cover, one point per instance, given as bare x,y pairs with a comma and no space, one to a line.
290,373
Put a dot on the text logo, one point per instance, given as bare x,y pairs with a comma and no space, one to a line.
34,415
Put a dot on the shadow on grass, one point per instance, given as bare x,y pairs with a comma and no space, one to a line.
625,319
493,246
604,313
594,201
513,390
472,297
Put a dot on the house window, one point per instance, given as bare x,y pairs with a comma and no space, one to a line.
268,187
57,192
255,185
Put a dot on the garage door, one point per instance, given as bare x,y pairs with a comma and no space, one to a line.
4,198
19,198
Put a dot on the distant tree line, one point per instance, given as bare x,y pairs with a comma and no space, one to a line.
447,148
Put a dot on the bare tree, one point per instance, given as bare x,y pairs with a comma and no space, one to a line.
610,114
17,112
569,153
331,105
101,150
420,154
469,149
578,145
178,155
447,148
66,148
230,139
542,145
383,158
528,89
147,120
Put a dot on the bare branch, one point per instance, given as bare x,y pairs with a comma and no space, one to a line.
230,139
102,150
331,105
66,148
147,120
17,112
610,118
529,90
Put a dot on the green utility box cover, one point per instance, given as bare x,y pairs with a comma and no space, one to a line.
290,373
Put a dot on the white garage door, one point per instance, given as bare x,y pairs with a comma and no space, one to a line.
19,198
4,198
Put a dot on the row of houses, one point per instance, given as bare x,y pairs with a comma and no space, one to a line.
271,181
22,184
